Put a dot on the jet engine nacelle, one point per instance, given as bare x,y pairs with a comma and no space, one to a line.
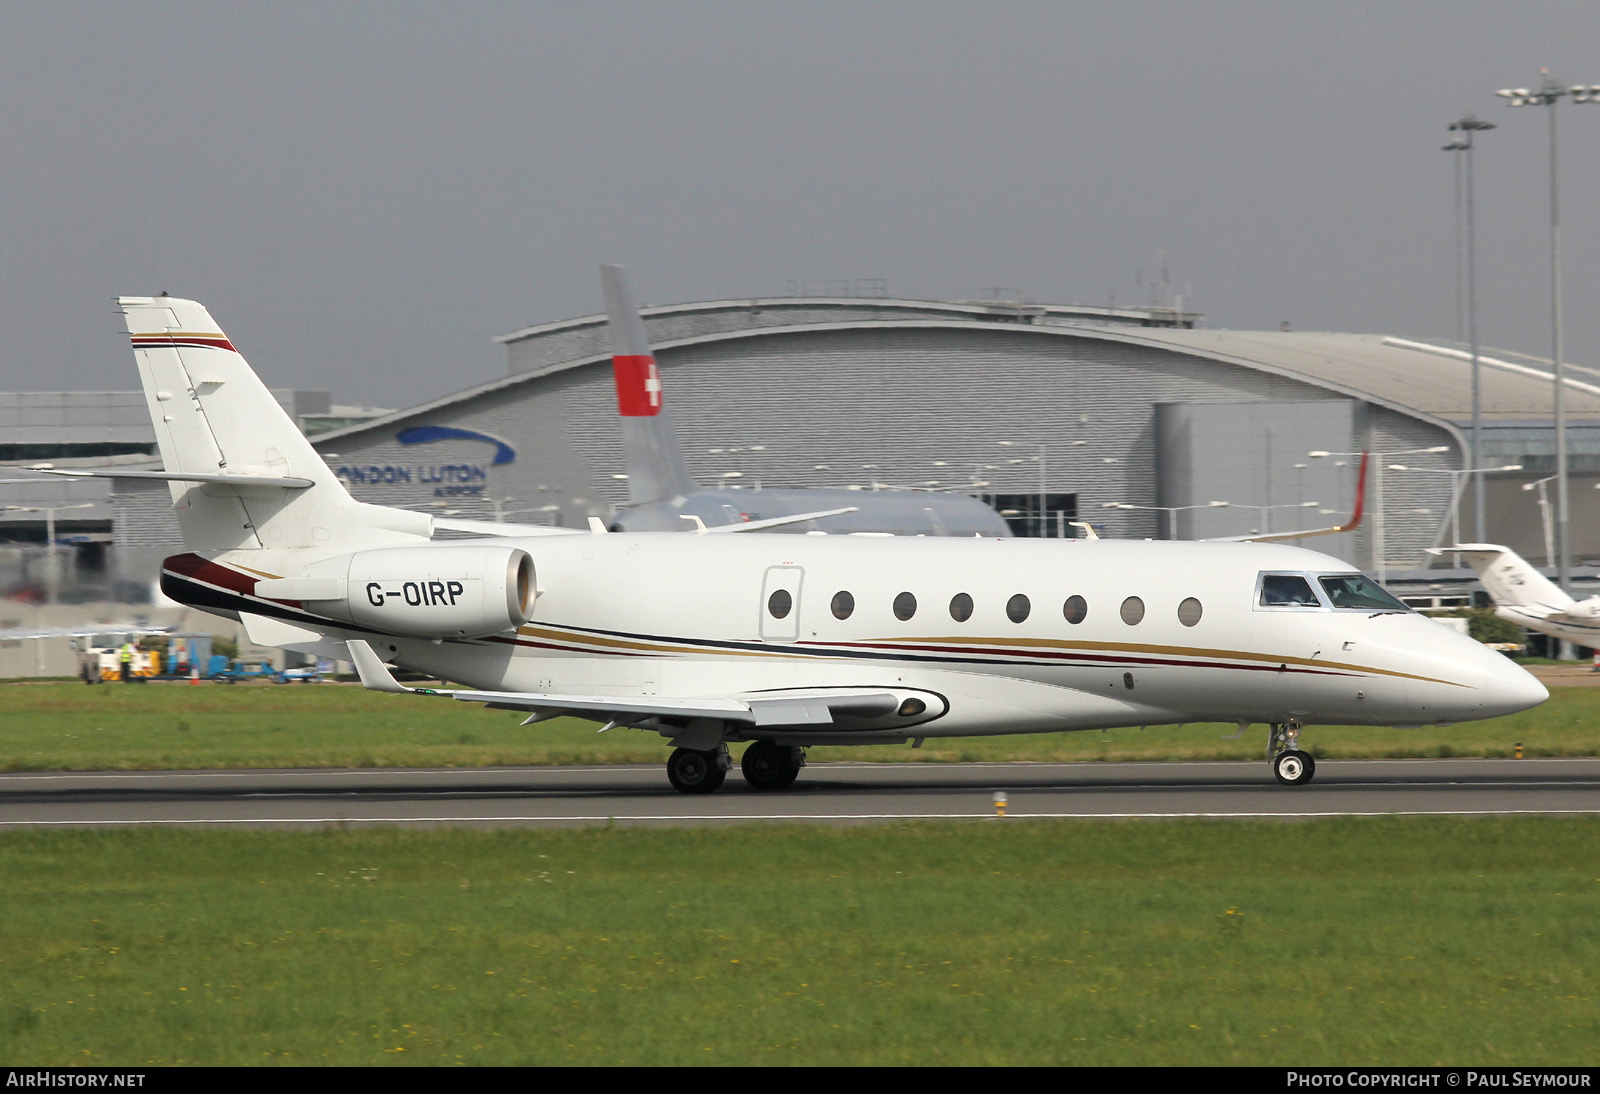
419,592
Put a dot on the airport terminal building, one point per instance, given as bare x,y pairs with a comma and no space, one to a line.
1136,421
1087,410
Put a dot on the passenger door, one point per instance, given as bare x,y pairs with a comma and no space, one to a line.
780,603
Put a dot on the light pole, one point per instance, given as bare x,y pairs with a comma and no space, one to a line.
49,512
52,577
1172,511
1548,94
1457,481
1379,532
1544,516
1044,530
1467,126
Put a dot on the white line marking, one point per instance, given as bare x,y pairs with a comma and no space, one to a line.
814,817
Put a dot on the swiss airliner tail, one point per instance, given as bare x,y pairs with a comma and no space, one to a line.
656,468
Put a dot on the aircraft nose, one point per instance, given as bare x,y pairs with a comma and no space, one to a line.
1508,687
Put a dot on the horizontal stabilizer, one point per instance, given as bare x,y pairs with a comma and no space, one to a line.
288,482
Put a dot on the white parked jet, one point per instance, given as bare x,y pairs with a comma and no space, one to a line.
781,641
1524,596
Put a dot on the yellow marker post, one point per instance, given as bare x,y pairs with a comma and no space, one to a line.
1519,750
999,803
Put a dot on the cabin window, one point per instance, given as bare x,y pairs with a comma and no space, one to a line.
1189,612
780,603
1132,610
1017,608
1075,609
961,607
1286,591
843,604
1360,592
905,606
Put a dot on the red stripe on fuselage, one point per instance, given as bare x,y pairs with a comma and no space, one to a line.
211,573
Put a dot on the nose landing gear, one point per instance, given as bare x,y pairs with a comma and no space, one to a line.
1290,765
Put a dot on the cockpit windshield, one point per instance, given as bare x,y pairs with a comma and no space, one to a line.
1359,591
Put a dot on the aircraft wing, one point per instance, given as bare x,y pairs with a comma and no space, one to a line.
770,522
1347,526
495,528
796,707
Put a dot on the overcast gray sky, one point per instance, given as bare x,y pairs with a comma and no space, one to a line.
364,194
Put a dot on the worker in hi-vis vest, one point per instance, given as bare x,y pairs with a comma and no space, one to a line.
127,661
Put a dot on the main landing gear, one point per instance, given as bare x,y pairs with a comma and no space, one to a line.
1291,766
767,765
695,772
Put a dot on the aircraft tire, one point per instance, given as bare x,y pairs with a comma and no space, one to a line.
694,772
769,766
1294,768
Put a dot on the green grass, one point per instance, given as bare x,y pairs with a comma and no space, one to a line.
1375,941
150,727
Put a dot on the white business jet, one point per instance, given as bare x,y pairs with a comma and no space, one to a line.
1524,596
780,641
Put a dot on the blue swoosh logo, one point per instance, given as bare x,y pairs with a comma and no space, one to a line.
426,434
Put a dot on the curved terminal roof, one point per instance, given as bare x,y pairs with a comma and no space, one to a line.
1433,378
1429,380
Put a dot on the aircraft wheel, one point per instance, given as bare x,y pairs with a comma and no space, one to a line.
769,766
693,772
1294,768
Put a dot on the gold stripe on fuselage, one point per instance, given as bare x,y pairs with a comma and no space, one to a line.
1169,651
1021,645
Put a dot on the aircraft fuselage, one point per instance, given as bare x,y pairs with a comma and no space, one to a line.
1164,633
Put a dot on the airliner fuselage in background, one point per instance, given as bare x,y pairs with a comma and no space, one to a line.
717,637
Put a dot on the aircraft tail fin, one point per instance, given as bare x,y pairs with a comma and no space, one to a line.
256,481
656,468
1511,581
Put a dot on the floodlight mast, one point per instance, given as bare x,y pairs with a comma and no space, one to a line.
1548,94
1467,126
